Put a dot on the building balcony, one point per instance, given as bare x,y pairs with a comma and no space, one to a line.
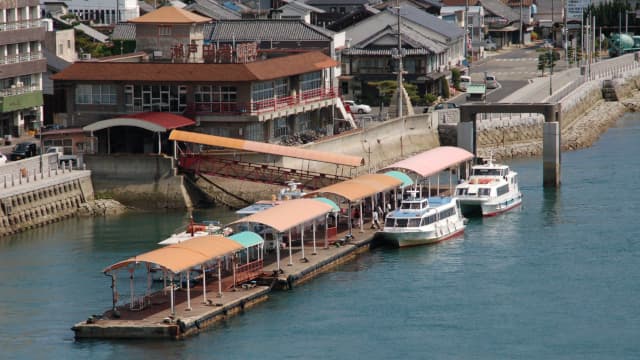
22,65
14,34
18,58
268,108
20,98
20,25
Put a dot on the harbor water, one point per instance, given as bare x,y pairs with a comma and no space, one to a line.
556,279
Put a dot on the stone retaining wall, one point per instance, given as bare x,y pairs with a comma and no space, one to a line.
44,201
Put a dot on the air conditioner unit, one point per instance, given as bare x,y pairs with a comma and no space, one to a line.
19,84
157,54
85,56
442,68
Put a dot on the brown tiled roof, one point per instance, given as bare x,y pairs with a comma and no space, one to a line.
170,15
179,72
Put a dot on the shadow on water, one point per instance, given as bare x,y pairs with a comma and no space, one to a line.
551,206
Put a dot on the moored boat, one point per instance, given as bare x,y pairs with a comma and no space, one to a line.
421,221
194,229
490,190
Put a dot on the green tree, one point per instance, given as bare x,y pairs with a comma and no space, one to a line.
386,89
455,77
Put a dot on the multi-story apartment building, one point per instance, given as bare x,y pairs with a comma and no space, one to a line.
21,66
103,11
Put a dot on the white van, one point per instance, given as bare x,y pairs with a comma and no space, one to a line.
464,82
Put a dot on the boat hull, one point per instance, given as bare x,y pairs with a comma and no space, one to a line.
487,206
415,238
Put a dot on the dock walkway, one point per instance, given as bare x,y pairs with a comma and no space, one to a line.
155,321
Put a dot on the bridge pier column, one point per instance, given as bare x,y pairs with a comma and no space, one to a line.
551,154
467,136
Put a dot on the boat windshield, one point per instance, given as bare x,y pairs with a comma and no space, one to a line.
411,205
487,172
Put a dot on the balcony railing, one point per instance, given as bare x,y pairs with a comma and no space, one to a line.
19,25
256,107
18,90
19,58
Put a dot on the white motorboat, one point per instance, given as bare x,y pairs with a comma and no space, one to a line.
421,221
490,190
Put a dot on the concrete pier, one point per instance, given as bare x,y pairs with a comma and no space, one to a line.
156,322
551,154
30,197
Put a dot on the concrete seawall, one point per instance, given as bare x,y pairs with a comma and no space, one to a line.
139,180
30,198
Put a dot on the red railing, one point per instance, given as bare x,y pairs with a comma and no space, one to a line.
248,272
273,104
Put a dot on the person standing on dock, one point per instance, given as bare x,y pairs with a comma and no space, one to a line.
374,220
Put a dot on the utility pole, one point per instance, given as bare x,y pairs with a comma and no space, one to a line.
400,69
466,31
626,21
521,39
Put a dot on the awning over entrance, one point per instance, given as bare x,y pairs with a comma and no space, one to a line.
185,255
264,148
289,214
433,161
360,187
152,121
406,180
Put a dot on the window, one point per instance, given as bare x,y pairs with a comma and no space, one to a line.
280,127
310,82
211,98
164,30
60,49
68,44
254,131
96,94
170,98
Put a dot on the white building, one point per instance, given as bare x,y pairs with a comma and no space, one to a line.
103,11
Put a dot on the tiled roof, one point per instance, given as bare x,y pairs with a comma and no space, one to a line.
213,9
497,8
336,2
276,30
170,15
383,52
183,73
124,31
460,2
429,21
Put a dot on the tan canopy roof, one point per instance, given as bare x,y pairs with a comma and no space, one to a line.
432,161
288,214
185,255
264,148
360,187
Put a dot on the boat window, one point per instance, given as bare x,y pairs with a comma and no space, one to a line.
484,191
415,206
428,220
414,222
405,206
401,222
486,172
389,222
503,189
462,191
446,213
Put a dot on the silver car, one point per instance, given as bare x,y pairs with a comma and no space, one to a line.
491,82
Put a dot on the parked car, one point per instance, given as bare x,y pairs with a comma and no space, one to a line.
3,159
23,151
489,45
357,108
443,106
491,81
464,82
